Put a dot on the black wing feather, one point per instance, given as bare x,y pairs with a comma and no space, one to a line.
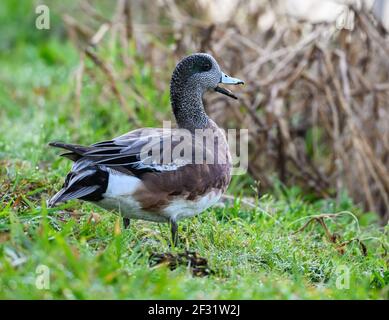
124,152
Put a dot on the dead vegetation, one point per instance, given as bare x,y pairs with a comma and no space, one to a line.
197,265
315,100
333,237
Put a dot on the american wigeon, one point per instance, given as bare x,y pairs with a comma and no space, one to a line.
121,174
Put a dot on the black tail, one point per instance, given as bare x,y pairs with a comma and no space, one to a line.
76,151
87,184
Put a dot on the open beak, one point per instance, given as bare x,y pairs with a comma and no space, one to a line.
228,80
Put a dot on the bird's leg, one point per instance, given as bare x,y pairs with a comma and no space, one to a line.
126,223
174,229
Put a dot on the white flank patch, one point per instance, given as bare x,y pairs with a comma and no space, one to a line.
119,197
120,184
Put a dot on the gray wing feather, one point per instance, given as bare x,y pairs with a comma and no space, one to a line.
129,151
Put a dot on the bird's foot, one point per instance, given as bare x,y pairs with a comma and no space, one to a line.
126,223
174,232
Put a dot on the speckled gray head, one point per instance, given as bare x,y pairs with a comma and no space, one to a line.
192,77
201,71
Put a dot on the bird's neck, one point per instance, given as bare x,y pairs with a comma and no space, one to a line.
187,105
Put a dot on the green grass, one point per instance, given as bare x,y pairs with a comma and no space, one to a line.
253,256
89,254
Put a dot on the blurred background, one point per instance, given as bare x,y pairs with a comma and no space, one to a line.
315,100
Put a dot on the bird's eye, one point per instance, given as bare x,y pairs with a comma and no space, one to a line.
206,66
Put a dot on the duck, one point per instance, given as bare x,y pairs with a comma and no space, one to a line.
141,175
